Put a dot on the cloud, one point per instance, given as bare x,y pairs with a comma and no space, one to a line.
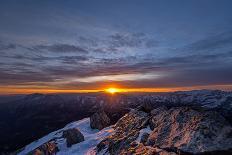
212,42
62,48
119,77
73,59
4,46
24,77
131,40
88,41
68,65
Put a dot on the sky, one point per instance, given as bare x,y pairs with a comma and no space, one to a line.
85,45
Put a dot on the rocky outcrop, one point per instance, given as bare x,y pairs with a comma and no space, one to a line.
140,149
73,136
190,130
126,131
178,130
99,120
48,148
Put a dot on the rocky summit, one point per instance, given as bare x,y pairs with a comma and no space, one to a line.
179,130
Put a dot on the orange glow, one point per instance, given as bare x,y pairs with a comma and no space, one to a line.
113,90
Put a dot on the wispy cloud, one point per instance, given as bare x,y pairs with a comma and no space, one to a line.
120,77
62,48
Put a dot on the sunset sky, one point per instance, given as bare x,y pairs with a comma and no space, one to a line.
137,45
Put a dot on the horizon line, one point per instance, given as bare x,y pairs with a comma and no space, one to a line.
11,91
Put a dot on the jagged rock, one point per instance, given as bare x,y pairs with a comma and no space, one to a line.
48,148
73,136
190,130
99,120
178,130
155,112
141,149
158,110
126,131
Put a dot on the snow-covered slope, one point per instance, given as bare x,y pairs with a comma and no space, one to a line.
92,138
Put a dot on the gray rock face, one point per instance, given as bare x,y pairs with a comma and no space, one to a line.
73,136
99,120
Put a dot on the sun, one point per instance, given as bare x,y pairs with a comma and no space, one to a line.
112,90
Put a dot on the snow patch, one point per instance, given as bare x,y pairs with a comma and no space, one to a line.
87,147
142,131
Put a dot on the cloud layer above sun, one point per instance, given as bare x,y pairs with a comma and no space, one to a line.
86,45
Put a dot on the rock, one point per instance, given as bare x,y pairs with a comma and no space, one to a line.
126,131
155,112
73,136
190,130
158,110
48,148
144,138
178,130
150,141
141,149
99,120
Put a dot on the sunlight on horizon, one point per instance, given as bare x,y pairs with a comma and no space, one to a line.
113,90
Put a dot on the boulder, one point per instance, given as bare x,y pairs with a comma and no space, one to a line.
99,120
73,136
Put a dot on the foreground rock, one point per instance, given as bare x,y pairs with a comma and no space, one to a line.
48,148
190,130
73,136
178,130
126,131
99,120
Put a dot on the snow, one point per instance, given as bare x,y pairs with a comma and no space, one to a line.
87,147
142,131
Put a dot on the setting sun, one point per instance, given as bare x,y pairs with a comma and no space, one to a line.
113,90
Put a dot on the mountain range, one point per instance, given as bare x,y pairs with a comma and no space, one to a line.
192,122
